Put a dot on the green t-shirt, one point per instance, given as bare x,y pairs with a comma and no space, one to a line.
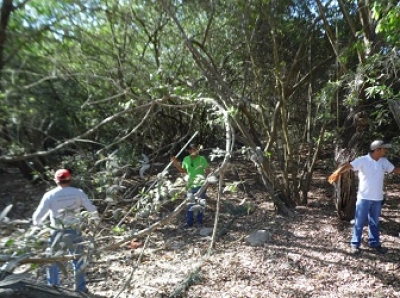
196,169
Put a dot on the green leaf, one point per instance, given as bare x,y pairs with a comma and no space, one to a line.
118,230
9,243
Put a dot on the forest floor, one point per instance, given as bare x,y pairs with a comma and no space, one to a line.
306,256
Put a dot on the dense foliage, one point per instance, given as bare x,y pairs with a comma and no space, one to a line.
80,80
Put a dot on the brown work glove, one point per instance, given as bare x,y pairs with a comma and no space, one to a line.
333,178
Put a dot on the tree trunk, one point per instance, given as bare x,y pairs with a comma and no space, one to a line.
5,14
352,138
345,196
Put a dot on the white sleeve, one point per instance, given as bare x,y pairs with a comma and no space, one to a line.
85,202
42,211
356,164
389,166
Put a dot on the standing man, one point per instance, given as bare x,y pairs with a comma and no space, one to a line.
371,173
62,204
196,166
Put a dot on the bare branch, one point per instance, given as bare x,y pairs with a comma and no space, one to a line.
353,28
70,141
133,129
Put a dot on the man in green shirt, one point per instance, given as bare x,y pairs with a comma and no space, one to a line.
197,168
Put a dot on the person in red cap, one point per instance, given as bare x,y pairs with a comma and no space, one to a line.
62,205
371,170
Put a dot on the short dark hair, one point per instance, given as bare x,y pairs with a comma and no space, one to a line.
63,181
193,146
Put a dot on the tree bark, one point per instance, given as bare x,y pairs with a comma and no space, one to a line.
345,196
5,13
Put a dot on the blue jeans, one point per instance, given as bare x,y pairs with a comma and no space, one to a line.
190,214
70,237
367,210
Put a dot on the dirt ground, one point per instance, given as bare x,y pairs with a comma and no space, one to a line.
306,256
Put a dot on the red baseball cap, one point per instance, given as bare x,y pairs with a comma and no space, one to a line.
62,174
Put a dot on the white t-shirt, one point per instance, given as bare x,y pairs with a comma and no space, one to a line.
62,203
371,174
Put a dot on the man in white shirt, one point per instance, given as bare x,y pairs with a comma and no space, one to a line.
371,173
62,204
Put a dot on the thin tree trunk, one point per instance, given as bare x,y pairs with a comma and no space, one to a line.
5,13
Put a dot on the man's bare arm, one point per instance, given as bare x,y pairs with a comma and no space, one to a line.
177,165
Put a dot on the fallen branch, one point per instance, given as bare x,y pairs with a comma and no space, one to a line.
134,267
147,231
125,240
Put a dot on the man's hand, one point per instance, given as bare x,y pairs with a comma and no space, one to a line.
177,165
94,218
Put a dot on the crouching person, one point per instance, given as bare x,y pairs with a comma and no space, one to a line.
62,205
